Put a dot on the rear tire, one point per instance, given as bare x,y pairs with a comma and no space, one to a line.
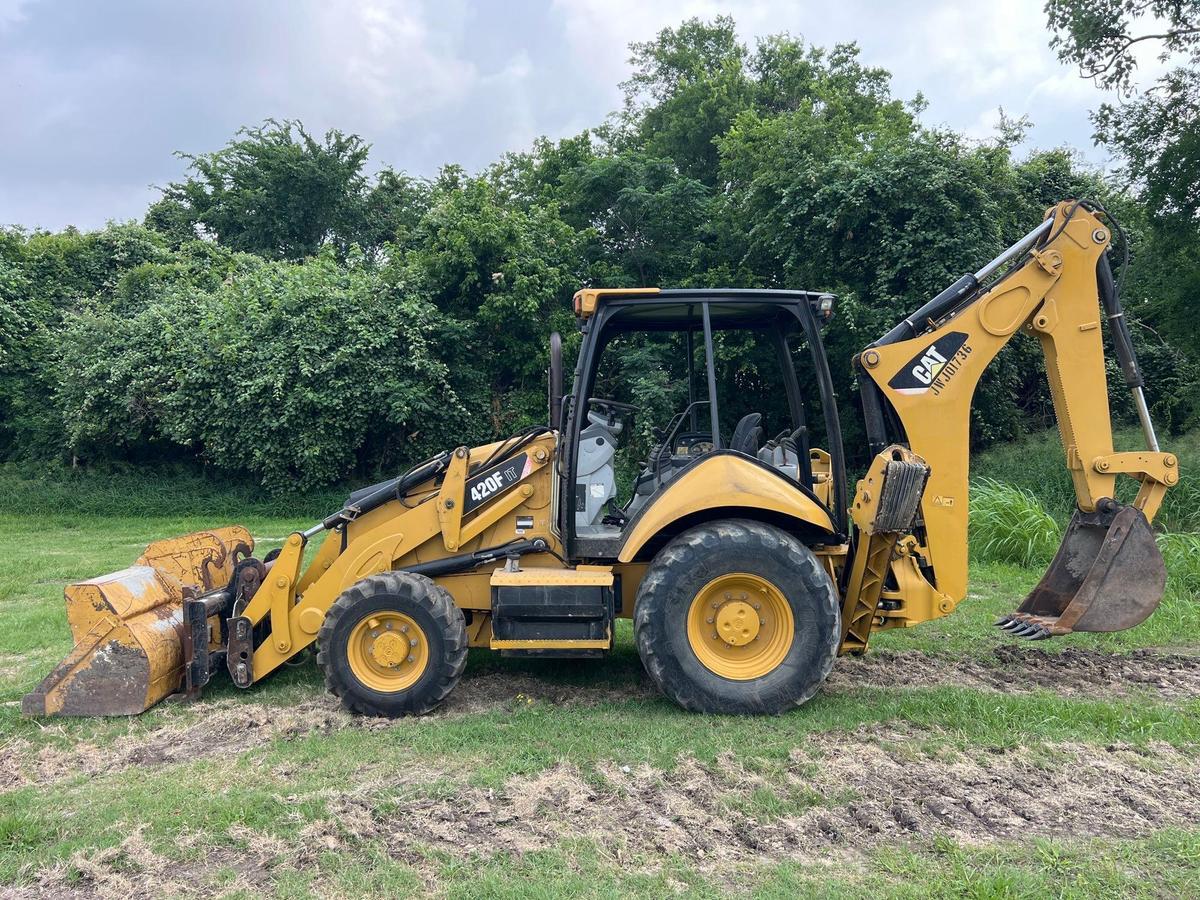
392,645
737,617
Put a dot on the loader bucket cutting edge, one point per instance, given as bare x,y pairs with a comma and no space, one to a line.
128,627
1108,575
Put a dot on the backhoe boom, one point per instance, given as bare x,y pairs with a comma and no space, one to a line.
925,371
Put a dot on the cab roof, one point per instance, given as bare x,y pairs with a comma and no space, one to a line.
679,308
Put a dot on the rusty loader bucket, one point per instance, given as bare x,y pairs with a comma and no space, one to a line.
129,628
1108,575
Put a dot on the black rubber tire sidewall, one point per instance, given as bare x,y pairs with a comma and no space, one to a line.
431,607
692,560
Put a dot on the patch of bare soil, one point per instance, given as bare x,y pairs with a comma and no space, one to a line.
1018,669
226,727
134,869
848,792
497,690
841,795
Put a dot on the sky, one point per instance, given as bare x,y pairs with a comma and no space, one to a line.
96,97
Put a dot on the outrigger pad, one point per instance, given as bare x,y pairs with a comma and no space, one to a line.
1108,575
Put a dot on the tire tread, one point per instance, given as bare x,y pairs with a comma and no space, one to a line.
685,552
427,594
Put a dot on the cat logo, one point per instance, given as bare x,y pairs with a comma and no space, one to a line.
934,366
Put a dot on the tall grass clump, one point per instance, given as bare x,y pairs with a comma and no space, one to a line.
1010,524
1181,552
1037,463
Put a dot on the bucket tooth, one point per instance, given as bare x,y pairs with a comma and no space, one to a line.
1108,575
128,627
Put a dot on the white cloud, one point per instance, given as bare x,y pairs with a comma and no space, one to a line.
12,12
99,95
386,59
599,31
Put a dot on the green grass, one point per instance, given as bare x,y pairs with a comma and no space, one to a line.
1167,865
1009,524
1036,463
1181,552
60,531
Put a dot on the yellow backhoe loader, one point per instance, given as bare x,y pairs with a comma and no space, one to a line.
745,567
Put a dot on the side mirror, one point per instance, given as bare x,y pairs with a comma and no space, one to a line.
556,381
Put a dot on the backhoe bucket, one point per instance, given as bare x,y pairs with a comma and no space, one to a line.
1108,575
128,627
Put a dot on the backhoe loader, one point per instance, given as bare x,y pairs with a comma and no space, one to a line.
742,561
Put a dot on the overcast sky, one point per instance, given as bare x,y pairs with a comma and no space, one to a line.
95,96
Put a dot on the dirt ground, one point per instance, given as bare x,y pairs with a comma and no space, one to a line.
838,794
231,727
858,790
1017,669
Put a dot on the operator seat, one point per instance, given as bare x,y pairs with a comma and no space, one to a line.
748,435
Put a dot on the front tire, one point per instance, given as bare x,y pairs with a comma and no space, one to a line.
392,645
737,617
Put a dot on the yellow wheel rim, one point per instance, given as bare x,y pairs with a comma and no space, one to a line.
740,626
388,651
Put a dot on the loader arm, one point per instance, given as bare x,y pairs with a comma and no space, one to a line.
293,599
923,375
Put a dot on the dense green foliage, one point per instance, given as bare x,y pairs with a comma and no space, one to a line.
282,313
1154,129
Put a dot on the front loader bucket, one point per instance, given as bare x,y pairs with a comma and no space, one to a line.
1108,575
128,627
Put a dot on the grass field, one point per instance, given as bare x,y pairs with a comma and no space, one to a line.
946,763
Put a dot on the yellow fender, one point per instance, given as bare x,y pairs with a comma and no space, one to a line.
723,481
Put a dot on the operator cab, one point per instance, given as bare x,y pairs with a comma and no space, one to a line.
668,378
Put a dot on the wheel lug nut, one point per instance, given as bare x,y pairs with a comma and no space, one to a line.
410,659
710,621
413,642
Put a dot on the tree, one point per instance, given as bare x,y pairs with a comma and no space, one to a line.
44,280
687,87
649,218
1156,132
274,190
501,273
298,373
390,211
